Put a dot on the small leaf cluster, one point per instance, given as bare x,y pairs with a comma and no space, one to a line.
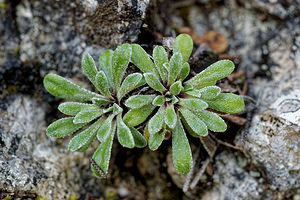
171,104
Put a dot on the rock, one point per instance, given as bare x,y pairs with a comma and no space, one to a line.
32,162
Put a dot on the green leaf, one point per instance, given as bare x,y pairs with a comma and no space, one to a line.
137,116
175,68
138,101
89,67
105,129
141,59
156,139
103,152
183,44
100,101
174,99
124,134
182,154
120,61
154,82
160,57
117,109
61,87
176,88
187,87
184,72
102,85
213,121
193,104
211,74
105,63
109,109
85,136
85,116
194,93
188,128
157,121
158,100
227,103
170,117
139,139
129,84
210,92
194,122
72,108
63,127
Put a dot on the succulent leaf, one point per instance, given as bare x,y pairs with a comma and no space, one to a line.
213,121
184,72
194,122
170,117
105,129
156,139
193,104
176,88
210,92
154,82
101,83
183,44
141,59
160,57
86,116
89,67
211,74
182,154
105,63
138,101
227,103
129,84
120,61
124,134
72,108
63,127
158,100
61,87
85,136
175,68
103,152
137,116
139,139
157,121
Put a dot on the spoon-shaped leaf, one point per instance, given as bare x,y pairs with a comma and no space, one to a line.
211,74
85,136
182,155
72,108
139,139
85,116
117,109
124,134
170,117
89,67
63,127
129,84
105,63
176,88
193,104
154,82
156,139
175,68
160,57
120,61
101,83
213,121
193,93
105,129
184,72
183,44
210,92
138,101
137,116
61,87
103,152
227,103
158,100
194,122
157,121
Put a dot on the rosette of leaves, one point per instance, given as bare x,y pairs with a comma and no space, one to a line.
97,115
179,105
